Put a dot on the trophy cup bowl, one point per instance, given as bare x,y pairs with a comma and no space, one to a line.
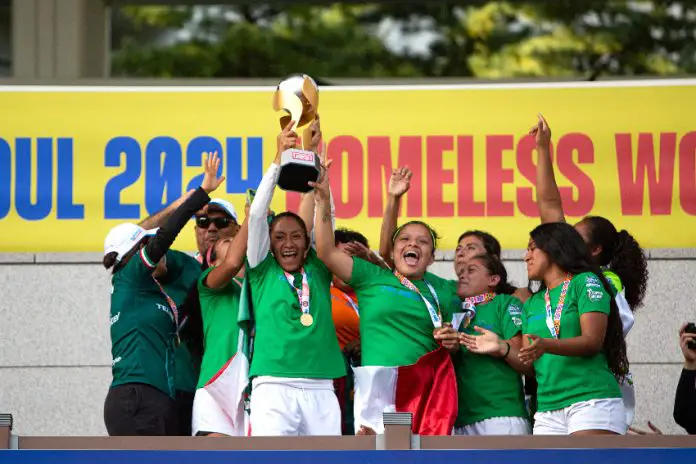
297,96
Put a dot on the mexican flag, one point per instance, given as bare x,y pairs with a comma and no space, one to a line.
230,387
427,389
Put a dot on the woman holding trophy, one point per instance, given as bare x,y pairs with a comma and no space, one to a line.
296,352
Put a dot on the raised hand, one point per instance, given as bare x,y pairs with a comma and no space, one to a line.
541,132
486,343
400,181
286,139
321,186
313,134
211,181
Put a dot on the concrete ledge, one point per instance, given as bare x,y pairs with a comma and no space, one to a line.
17,258
71,258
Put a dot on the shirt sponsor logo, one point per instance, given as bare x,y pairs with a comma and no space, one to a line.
514,310
114,319
594,295
517,321
115,361
166,309
592,281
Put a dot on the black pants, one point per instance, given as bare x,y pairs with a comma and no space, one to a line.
139,409
184,411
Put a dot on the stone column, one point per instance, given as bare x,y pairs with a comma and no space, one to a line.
60,39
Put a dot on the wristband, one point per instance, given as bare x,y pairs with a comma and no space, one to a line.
508,351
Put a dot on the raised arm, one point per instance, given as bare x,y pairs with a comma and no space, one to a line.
399,183
307,211
547,194
234,259
157,219
158,245
338,262
259,240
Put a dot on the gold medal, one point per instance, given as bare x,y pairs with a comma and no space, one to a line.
306,320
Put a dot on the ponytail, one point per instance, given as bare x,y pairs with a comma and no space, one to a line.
630,264
622,254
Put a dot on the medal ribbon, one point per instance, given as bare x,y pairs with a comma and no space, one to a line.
478,299
469,306
173,307
303,293
435,316
553,321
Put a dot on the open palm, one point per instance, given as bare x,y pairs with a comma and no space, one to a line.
400,181
211,181
486,342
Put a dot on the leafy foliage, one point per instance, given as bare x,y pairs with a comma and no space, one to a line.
494,39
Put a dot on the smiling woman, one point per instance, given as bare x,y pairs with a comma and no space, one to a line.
405,316
296,352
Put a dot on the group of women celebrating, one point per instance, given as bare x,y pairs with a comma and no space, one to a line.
566,330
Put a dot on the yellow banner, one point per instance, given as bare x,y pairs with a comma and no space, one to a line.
76,161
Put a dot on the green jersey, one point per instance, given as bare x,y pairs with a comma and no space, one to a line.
283,347
188,270
566,380
488,387
395,326
142,323
219,310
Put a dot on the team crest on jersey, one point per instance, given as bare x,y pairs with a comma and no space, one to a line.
592,281
515,313
593,295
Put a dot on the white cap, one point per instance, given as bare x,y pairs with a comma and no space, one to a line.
225,206
124,237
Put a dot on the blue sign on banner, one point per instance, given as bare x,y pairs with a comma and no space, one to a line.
567,456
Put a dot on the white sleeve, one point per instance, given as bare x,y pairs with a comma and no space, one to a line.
312,236
627,318
259,241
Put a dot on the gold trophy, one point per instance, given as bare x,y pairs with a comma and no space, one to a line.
297,96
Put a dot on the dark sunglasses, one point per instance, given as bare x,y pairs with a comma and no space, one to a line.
220,222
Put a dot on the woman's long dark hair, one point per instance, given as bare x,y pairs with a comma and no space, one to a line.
622,254
496,267
566,248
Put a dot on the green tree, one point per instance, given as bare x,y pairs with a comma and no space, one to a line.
486,39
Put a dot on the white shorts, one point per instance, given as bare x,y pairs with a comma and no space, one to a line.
281,407
209,416
605,414
629,398
497,426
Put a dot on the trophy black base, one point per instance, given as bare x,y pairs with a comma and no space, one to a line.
297,168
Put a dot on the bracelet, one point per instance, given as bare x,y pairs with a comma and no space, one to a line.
507,352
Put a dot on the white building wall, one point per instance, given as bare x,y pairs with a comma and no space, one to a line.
55,362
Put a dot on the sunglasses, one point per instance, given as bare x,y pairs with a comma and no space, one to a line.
220,222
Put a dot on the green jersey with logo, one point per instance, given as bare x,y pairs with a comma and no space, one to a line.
395,326
219,309
283,347
489,387
566,380
142,323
